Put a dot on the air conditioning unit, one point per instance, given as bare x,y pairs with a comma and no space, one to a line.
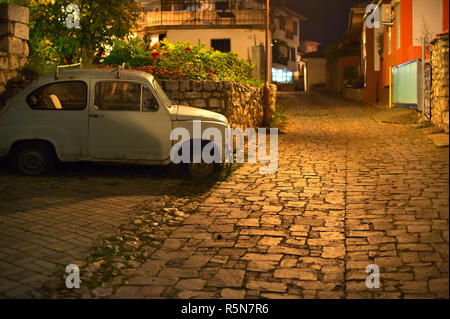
387,17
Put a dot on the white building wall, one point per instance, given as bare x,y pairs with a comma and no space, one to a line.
316,72
280,34
241,40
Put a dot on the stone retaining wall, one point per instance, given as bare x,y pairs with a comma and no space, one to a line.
14,36
440,87
242,104
353,94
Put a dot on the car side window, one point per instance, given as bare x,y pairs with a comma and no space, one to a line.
118,96
70,95
149,102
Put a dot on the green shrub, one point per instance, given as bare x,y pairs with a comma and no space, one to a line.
181,60
352,78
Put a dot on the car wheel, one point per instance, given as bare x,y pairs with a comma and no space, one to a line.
32,158
202,169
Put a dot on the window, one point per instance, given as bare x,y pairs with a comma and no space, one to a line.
124,96
222,45
149,102
221,5
281,75
282,23
398,25
295,27
118,96
389,40
59,96
293,55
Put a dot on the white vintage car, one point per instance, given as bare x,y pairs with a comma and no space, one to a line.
101,115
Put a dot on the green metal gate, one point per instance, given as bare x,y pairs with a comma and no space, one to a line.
405,84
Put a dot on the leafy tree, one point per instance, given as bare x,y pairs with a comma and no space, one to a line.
101,21
333,52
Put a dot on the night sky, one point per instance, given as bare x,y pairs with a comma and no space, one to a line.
327,19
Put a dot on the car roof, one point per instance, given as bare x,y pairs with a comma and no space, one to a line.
101,73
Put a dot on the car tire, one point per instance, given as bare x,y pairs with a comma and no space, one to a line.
201,170
32,158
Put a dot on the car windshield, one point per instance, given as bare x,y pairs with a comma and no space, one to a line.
162,94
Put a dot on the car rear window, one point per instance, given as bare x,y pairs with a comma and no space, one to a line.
70,95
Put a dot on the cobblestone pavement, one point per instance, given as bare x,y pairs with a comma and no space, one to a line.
47,223
349,192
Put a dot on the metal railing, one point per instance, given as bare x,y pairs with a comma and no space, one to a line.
201,12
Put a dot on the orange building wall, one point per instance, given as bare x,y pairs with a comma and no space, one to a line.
407,51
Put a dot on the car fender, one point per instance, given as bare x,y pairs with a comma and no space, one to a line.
57,136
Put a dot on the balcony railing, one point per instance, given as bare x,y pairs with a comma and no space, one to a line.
290,35
202,12
280,60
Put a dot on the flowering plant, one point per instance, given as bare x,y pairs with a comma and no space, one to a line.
180,60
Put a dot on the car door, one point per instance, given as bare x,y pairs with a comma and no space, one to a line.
57,112
126,122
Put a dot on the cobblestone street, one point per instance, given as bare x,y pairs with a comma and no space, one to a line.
47,223
349,192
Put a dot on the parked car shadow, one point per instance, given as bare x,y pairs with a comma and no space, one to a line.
82,181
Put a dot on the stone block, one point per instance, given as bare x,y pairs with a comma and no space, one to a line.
21,31
6,28
12,45
198,103
215,103
185,85
196,86
171,85
14,62
14,12
209,86
193,95
4,63
177,95
227,85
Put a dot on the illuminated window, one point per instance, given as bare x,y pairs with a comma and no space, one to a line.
281,75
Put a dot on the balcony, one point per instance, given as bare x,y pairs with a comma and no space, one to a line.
157,13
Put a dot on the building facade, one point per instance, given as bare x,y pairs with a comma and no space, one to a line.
230,25
394,55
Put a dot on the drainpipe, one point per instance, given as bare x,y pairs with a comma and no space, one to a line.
423,88
390,87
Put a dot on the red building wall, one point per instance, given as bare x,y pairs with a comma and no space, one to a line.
371,93
348,61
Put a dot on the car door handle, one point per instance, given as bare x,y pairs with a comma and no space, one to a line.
96,115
